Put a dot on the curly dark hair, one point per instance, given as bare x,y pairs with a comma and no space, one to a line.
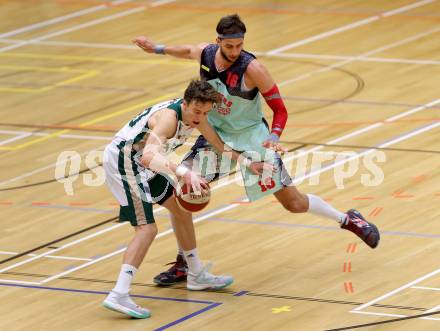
230,24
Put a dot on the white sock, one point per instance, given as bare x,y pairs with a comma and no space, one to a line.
125,278
320,207
193,260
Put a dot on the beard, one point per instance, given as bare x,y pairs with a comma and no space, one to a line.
225,57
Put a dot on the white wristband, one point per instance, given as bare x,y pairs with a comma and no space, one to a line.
181,170
246,162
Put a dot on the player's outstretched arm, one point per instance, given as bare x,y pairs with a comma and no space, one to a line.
192,52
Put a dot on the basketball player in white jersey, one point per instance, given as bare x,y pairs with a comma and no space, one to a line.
139,174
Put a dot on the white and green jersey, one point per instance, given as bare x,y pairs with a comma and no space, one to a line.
136,131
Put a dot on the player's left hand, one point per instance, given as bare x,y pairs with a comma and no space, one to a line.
272,142
145,43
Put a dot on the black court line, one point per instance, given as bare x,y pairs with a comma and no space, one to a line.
351,303
73,87
77,117
58,240
47,181
363,147
360,84
83,230
107,107
394,320
225,291
99,165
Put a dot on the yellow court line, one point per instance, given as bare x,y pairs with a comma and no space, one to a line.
85,74
126,110
19,90
37,140
43,69
94,121
96,59
92,73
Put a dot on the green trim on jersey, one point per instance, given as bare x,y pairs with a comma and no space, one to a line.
177,107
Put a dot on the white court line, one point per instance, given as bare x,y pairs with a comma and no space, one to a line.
160,2
436,308
19,282
347,136
162,234
219,186
405,8
51,256
358,132
52,165
279,55
397,290
433,309
368,151
345,57
378,314
353,59
234,205
409,135
394,315
95,234
73,43
60,19
350,26
76,136
430,318
18,137
74,28
426,288
86,24
24,134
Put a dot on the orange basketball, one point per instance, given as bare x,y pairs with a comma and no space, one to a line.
189,201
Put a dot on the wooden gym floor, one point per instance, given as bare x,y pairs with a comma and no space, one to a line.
357,77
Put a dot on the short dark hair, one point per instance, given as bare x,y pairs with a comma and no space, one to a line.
230,24
200,91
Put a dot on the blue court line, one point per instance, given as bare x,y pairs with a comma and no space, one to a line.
210,304
241,293
187,317
270,223
318,227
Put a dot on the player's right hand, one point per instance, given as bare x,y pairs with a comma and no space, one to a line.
260,167
272,142
145,43
198,184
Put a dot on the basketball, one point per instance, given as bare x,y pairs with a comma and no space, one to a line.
191,202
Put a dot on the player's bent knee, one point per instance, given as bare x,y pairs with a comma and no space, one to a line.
147,230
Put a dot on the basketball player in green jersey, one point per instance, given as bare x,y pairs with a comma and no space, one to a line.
238,120
139,174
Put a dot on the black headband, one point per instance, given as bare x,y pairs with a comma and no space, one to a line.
231,35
